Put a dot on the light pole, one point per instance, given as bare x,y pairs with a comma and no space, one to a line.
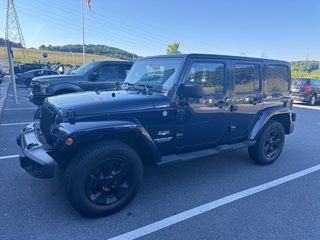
65,60
72,59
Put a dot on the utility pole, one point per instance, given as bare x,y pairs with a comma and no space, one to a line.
13,29
13,81
83,45
263,55
13,35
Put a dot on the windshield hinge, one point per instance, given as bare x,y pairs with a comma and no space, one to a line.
71,116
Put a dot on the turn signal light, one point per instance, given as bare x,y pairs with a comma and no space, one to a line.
69,141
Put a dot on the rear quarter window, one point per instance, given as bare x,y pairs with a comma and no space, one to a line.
278,78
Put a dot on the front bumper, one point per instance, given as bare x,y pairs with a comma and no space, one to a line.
37,99
301,98
34,159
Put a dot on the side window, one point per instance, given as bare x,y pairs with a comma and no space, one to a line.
38,73
210,74
106,72
51,73
247,77
278,78
125,68
314,82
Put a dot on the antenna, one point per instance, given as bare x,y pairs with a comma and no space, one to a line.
13,29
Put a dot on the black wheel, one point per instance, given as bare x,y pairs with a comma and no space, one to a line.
103,178
270,144
312,100
27,82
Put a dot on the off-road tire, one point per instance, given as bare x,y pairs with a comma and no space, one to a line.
269,145
28,82
103,178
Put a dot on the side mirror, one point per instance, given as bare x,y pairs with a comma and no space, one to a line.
192,90
94,76
61,69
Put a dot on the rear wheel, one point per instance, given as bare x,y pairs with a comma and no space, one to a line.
270,144
103,178
312,100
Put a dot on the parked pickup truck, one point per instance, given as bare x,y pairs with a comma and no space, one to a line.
94,75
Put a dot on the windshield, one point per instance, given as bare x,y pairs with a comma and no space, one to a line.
300,82
155,73
84,69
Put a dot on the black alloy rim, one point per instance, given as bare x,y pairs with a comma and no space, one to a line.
108,182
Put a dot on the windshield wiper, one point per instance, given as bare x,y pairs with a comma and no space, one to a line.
146,87
135,86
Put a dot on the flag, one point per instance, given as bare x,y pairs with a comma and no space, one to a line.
88,3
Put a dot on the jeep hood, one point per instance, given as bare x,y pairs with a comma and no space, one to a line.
85,104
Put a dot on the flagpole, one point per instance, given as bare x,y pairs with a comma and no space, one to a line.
83,48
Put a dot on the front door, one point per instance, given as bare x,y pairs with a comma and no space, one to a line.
107,77
204,121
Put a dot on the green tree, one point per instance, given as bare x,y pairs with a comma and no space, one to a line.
173,48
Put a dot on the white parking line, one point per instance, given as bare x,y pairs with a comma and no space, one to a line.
13,124
315,107
24,98
9,156
153,227
13,109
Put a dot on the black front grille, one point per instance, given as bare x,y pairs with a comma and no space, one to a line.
47,119
35,87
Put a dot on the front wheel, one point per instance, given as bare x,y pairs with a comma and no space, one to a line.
27,82
270,144
103,178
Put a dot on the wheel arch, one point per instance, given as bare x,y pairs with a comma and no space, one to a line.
64,88
282,116
134,136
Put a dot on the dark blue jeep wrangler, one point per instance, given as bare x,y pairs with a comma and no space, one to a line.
171,109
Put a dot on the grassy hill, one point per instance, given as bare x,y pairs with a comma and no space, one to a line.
35,55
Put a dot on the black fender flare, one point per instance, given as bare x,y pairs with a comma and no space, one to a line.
83,131
264,117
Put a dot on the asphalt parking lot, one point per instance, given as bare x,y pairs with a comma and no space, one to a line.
222,197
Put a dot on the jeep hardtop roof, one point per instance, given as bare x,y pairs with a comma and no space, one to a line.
195,55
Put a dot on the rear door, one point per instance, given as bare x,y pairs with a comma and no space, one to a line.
247,99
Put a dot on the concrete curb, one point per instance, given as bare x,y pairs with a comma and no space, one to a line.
4,86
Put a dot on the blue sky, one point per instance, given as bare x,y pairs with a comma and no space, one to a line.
277,29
